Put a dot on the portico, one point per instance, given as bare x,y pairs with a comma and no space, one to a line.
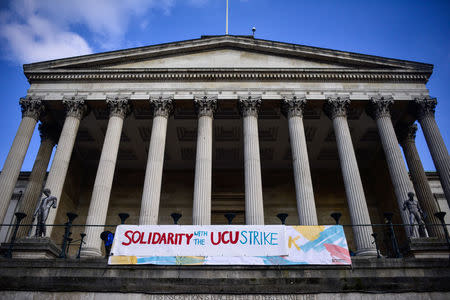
228,124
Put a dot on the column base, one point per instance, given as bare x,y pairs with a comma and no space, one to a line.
33,248
430,247
90,253
366,252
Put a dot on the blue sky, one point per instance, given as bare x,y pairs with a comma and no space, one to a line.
36,30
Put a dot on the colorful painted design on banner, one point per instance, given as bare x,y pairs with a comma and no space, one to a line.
304,245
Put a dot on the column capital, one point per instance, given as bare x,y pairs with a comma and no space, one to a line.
406,133
75,106
336,107
249,105
118,106
49,131
425,106
205,105
293,106
32,107
379,107
162,106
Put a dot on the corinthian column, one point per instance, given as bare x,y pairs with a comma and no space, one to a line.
406,137
379,110
98,208
254,209
336,110
32,108
293,109
425,114
201,212
75,110
153,173
49,136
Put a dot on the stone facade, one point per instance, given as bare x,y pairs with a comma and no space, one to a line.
228,124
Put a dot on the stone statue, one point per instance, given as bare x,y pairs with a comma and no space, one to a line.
415,214
42,211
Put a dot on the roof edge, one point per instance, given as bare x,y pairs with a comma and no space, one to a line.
210,42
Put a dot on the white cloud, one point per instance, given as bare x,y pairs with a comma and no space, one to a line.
35,30
38,40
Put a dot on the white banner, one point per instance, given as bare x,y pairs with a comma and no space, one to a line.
218,240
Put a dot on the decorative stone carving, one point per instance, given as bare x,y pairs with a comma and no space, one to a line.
336,107
406,133
205,105
250,105
49,132
162,106
118,106
75,106
241,75
425,106
293,106
379,107
31,107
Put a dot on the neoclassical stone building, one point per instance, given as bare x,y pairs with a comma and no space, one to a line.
228,124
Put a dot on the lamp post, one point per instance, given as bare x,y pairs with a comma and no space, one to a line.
81,244
440,215
67,233
336,216
230,217
176,217
123,217
395,248
282,218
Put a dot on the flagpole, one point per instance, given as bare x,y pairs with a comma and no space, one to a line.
226,26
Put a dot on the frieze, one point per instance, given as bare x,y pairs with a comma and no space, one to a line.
425,106
336,107
31,107
162,106
118,106
49,132
379,107
293,106
75,106
250,105
205,105
406,133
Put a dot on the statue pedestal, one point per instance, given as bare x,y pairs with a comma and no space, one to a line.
34,248
430,247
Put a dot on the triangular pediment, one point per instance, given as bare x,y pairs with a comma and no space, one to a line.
226,58
225,52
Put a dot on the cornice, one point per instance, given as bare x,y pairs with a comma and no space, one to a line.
247,43
229,75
